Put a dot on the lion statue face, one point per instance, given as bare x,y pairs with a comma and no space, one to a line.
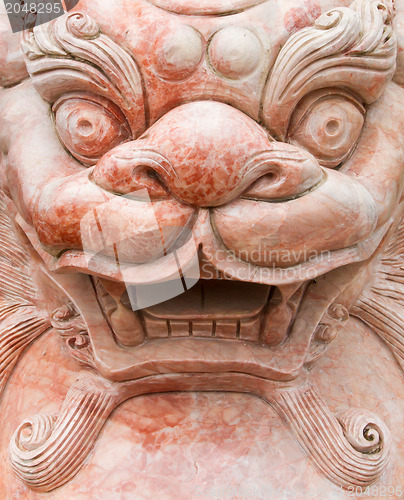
198,196
252,150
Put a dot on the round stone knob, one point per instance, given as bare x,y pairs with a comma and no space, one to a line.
235,52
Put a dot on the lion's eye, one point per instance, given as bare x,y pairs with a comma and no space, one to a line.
329,128
90,128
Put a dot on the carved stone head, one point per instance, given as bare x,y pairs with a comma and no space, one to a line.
205,187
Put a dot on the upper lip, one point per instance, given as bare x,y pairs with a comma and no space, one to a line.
183,258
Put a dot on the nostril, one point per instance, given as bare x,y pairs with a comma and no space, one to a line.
260,187
142,172
281,173
128,170
267,179
152,174
270,177
145,177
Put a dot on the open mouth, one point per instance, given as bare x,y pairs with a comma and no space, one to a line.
217,326
241,320
213,308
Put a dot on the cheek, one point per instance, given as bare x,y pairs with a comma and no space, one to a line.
338,214
35,156
78,215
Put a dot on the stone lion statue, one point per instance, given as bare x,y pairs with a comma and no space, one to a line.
201,202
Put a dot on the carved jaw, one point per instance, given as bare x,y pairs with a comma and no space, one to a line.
271,336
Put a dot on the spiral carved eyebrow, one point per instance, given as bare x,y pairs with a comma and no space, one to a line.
352,48
71,52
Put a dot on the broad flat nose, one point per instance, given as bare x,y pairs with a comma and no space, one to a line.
206,154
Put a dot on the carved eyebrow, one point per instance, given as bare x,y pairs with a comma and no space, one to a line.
71,53
351,48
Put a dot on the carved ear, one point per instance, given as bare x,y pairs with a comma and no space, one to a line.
22,318
12,65
71,54
381,303
350,48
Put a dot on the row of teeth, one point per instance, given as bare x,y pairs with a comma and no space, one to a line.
129,331
244,329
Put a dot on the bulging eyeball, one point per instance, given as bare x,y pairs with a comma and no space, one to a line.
328,126
90,127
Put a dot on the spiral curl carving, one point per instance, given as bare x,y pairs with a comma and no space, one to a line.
365,431
329,19
46,451
33,433
82,26
352,449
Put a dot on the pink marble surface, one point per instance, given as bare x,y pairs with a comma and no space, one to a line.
202,445
160,140
226,158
